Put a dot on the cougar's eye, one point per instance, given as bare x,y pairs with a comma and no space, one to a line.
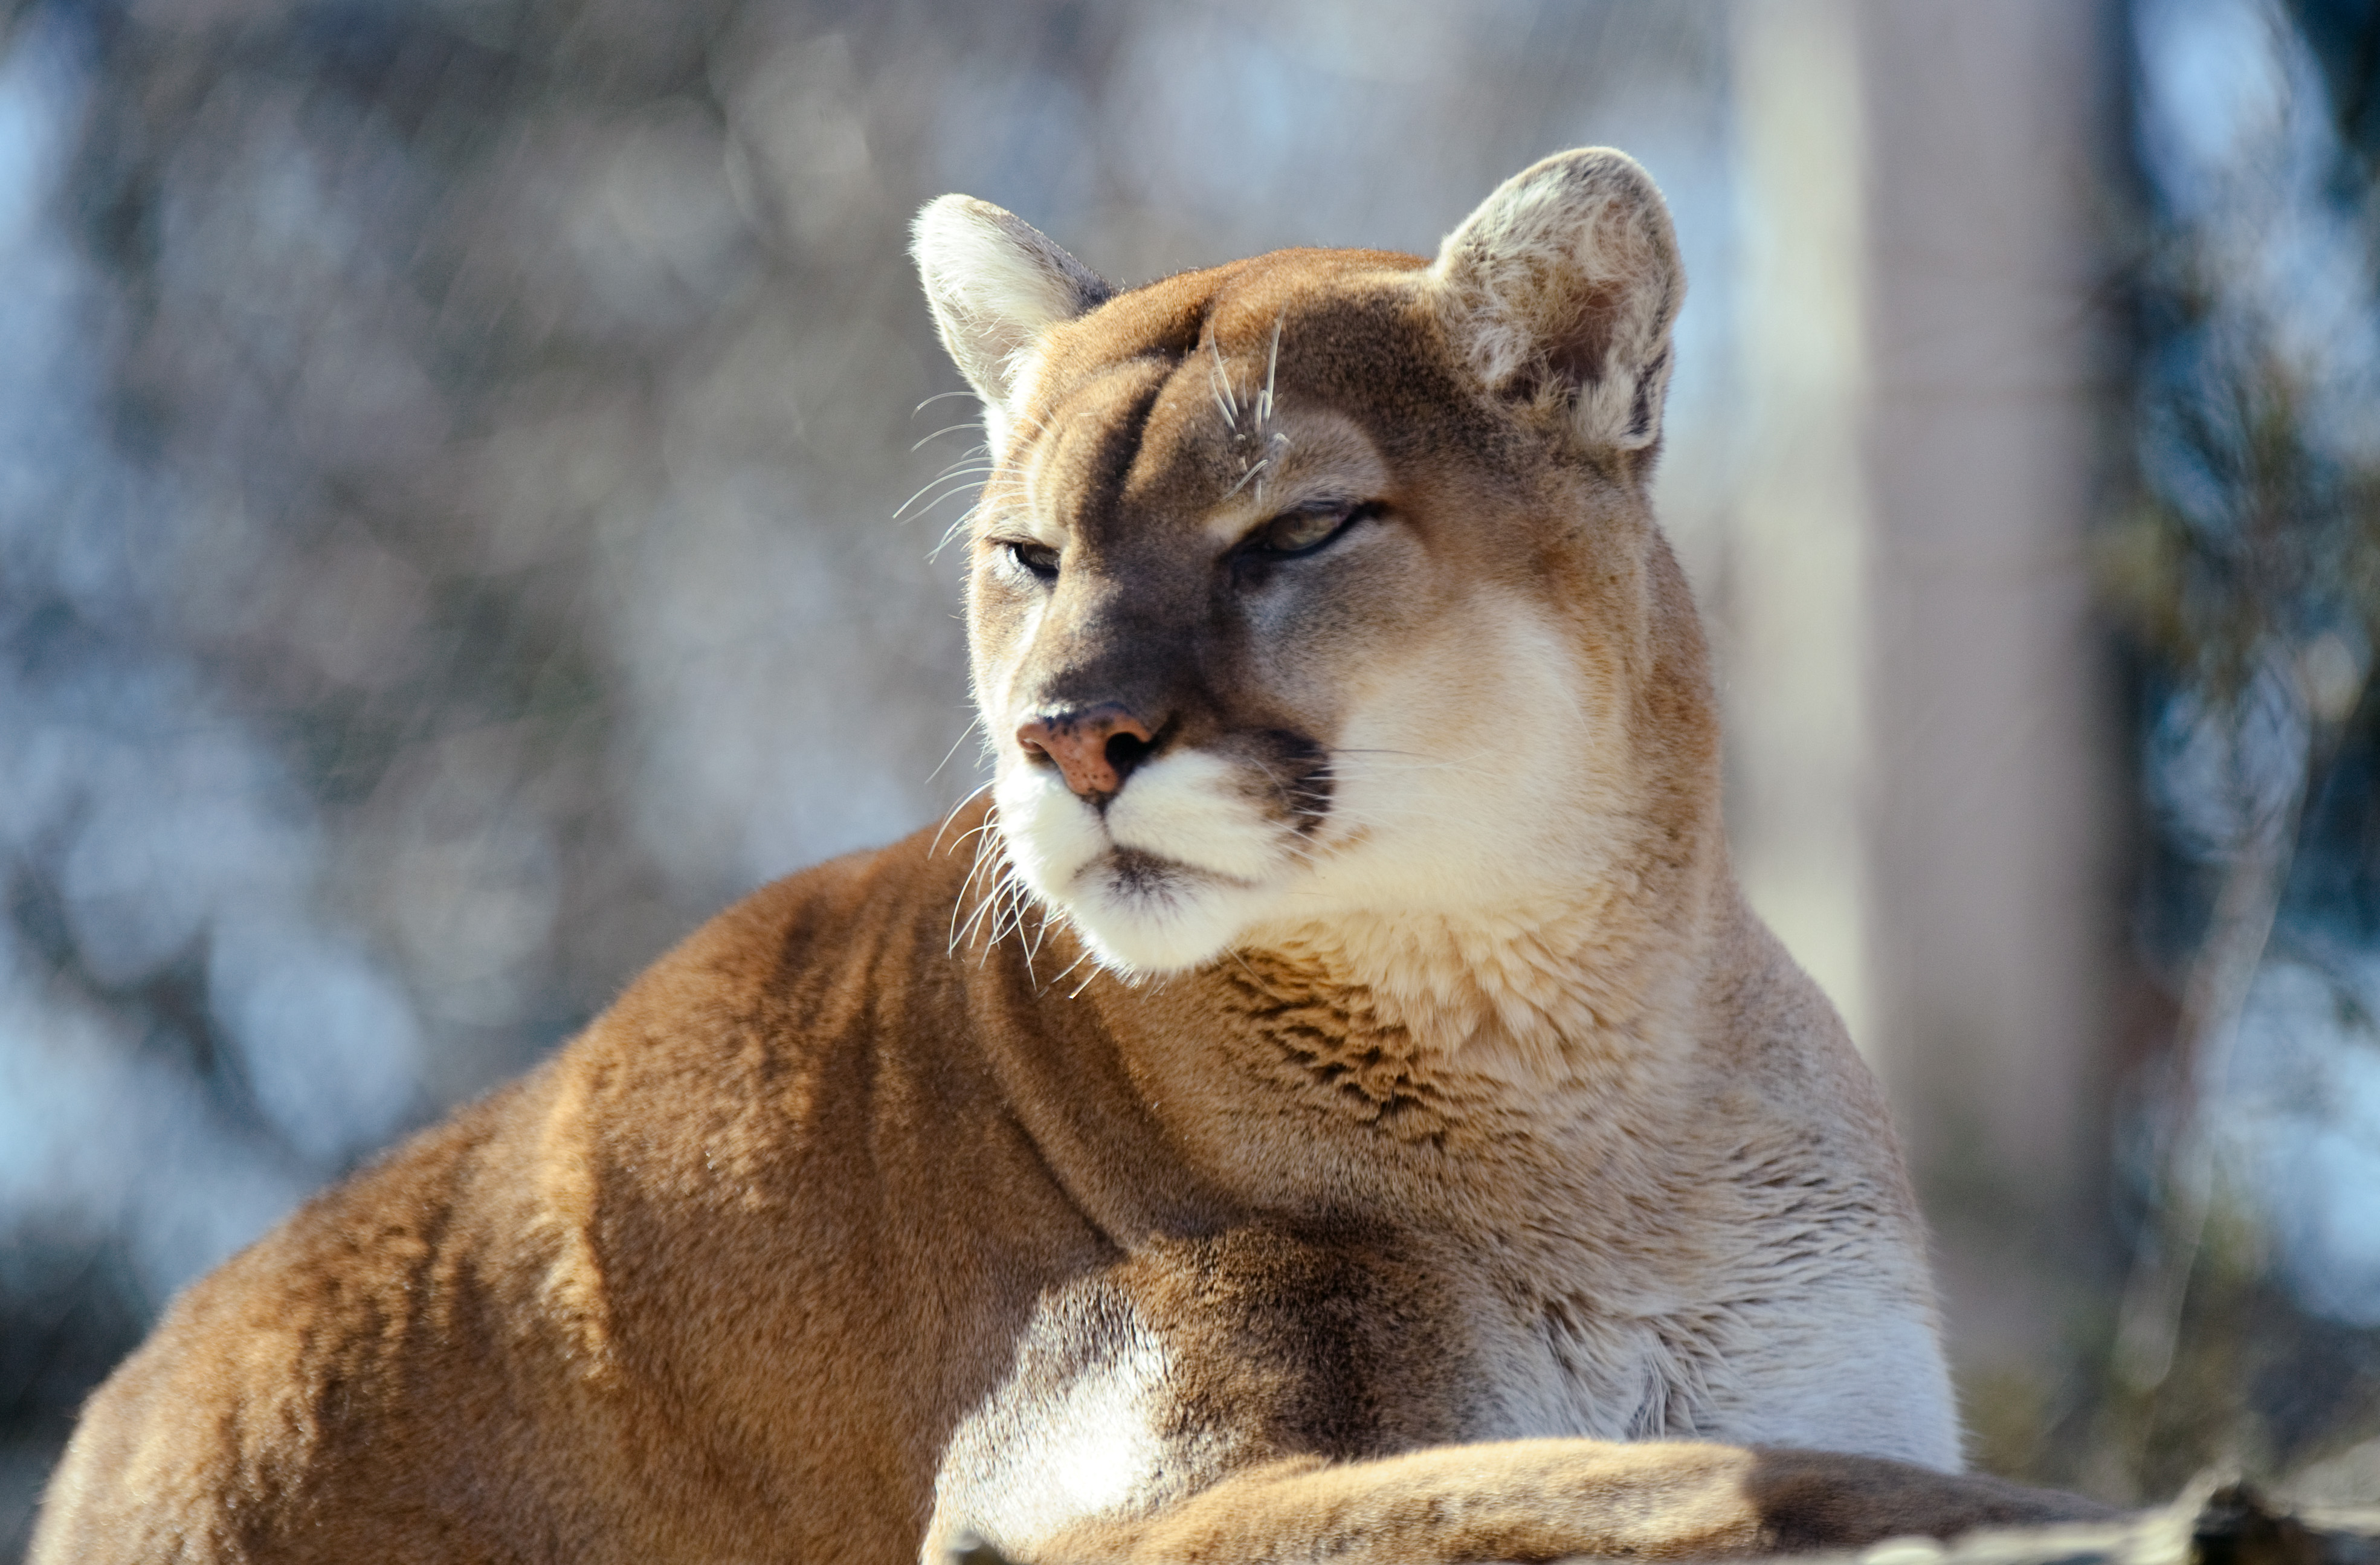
1302,532
1037,558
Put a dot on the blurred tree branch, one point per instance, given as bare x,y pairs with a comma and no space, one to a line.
2246,573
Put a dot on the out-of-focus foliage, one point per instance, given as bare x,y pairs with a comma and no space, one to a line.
2246,571
449,453
2340,33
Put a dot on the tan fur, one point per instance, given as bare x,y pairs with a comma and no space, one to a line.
1379,1131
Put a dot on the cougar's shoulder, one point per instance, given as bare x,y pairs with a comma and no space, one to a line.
629,1305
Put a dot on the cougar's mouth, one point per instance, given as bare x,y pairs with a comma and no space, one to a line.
1187,853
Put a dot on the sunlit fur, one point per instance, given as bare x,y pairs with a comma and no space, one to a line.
1378,1130
1458,874
1447,879
1506,876
1175,872
996,284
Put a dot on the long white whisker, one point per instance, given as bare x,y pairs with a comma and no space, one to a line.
1009,901
1378,769
940,396
970,833
954,814
945,429
944,498
1033,945
954,484
1220,378
1060,977
954,750
1262,987
1028,946
974,868
930,484
1272,363
950,947
982,846
963,482
975,459
974,920
951,533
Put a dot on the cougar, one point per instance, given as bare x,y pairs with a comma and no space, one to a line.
1330,1101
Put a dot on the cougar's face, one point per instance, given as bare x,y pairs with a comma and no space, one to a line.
1267,619
1320,588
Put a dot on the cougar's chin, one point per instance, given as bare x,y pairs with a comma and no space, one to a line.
1142,914
1165,880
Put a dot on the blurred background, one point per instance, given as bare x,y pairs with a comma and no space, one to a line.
453,461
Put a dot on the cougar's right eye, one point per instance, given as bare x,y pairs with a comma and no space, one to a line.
1038,558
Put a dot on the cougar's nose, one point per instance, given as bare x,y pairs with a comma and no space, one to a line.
1095,748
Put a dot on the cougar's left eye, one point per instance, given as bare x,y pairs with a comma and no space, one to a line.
1302,532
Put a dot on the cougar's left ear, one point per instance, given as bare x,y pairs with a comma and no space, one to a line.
1565,281
996,283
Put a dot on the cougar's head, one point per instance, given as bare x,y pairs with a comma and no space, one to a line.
1322,587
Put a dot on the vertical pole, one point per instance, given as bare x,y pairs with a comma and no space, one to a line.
1796,632
1921,771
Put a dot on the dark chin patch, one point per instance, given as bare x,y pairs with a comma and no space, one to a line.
1143,876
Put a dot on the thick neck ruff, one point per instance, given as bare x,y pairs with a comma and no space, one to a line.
1545,992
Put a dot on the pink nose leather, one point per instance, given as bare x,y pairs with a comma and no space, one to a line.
1084,745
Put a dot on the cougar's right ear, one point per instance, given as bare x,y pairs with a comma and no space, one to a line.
996,283
1563,287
